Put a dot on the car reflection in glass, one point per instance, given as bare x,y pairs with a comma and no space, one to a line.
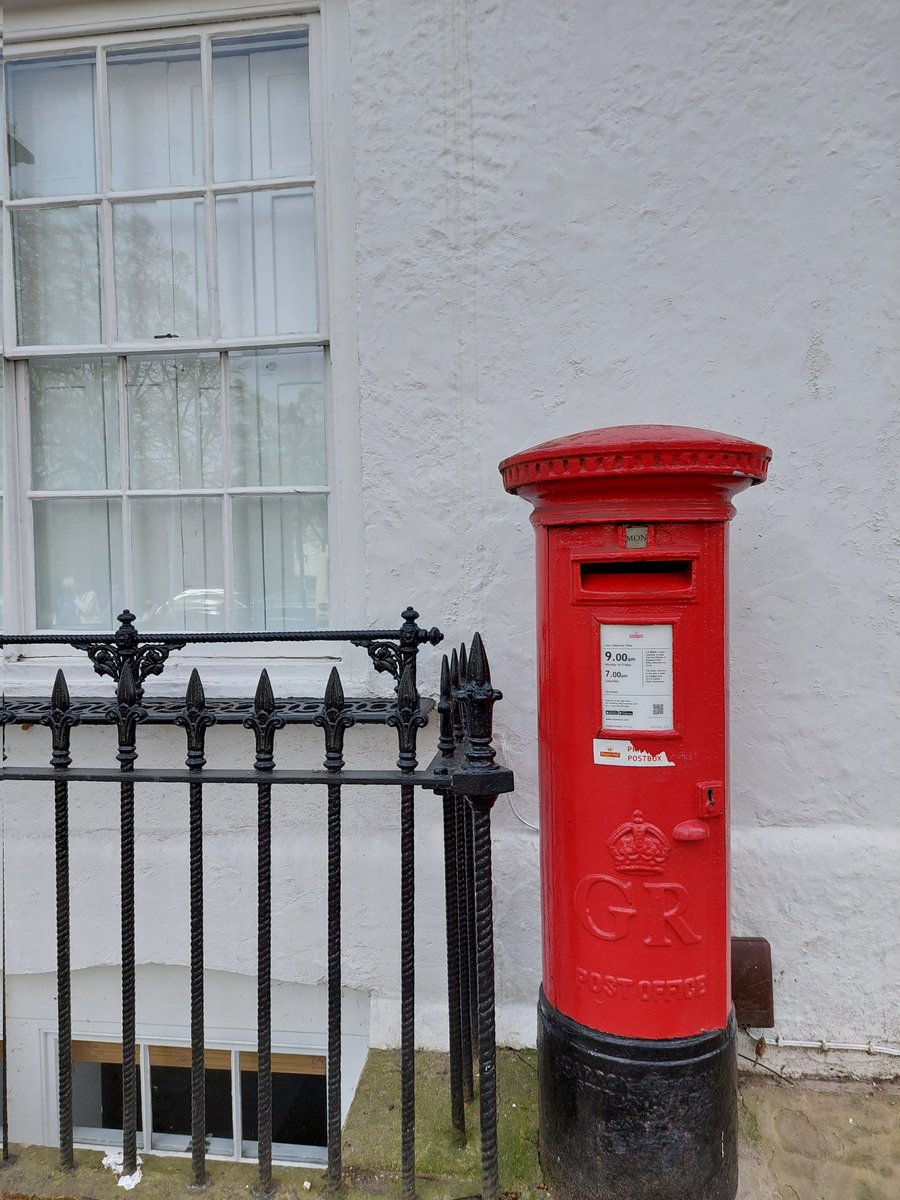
203,609
196,609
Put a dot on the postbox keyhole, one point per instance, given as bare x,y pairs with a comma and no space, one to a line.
710,799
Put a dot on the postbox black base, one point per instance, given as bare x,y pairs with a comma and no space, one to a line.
634,1119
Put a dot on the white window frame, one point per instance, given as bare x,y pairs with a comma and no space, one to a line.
332,177
235,1043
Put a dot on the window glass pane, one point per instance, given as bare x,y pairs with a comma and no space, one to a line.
261,107
174,422
51,128
298,1109
176,547
2,322
155,117
57,275
267,263
1,511
277,417
160,268
280,561
97,1098
171,1098
74,425
78,563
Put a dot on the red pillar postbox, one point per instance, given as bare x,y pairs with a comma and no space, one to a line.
636,1031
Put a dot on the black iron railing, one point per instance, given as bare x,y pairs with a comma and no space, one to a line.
463,773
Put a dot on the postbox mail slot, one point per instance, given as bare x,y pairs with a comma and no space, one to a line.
636,575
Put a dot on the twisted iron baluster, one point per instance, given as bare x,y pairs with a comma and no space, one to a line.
466,964
6,716
264,722
60,719
195,718
469,862
4,1037
407,719
447,748
480,699
126,713
469,874
487,1048
407,993
334,719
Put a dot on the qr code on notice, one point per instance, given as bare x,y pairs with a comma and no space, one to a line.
657,710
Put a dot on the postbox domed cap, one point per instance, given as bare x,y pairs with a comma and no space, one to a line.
634,450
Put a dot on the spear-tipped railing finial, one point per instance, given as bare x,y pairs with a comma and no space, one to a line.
334,719
264,721
195,718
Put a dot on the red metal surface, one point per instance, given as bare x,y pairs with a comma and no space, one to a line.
634,858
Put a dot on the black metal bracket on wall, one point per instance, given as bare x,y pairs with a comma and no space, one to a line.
752,985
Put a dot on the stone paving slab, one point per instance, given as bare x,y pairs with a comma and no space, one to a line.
818,1141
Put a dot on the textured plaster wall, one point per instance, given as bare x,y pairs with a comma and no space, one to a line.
587,212
568,214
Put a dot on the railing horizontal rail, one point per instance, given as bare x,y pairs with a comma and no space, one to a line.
214,775
228,710
178,641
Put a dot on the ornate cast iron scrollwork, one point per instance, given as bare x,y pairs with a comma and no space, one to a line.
334,718
145,659
105,659
264,721
195,718
393,659
385,656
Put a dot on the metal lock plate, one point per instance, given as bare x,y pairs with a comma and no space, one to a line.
710,799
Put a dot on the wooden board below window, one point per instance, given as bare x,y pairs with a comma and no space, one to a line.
100,1052
180,1056
286,1064
215,1060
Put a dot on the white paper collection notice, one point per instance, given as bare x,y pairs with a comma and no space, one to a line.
636,676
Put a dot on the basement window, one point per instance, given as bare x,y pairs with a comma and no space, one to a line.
164,1100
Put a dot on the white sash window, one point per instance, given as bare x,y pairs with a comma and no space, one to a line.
168,425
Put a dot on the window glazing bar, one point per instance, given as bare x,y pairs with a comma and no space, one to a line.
166,347
185,493
171,193
139,31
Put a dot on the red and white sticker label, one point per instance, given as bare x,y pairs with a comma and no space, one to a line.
636,676
611,752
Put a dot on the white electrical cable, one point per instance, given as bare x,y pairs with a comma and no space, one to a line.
518,815
824,1044
504,754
